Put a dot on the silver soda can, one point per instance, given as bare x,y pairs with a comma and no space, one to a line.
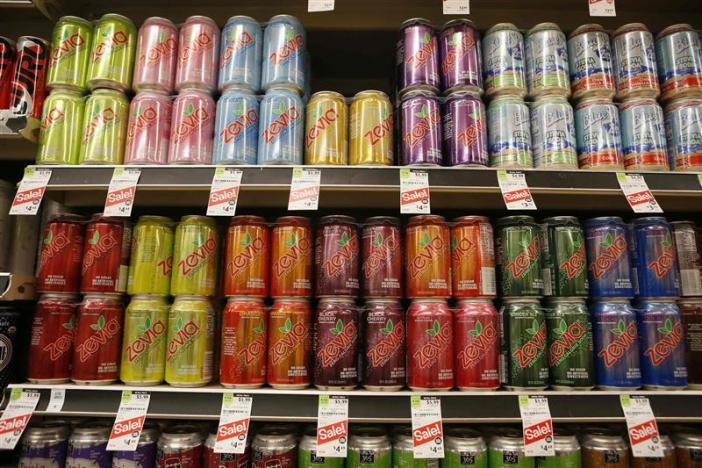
643,135
547,61
284,43
553,133
635,71
44,444
180,445
509,134
240,54
597,135
590,62
464,447
683,126
281,128
679,59
274,446
503,61
688,243
87,446
506,448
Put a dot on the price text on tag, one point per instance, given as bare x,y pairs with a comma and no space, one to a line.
414,192
16,416
224,191
456,7
129,422
304,189
332,426
30,191
427,429
234,421
537,426
314,6
58,396
602,8
641,425
122,190
637,193
515,191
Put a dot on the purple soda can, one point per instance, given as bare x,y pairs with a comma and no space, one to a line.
87,446
149,129
421,129
157,47
145,454
420,55
192,128
465,130
461,61
44,444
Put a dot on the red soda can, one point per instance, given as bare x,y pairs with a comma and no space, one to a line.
51,345
336,344
289,344
155,65
98,339
472,257
336,256
246,257
8,53
225,460
198,54
428,264
149,129
477,344
242,361
61,255
291,257
382,257
429,345
105,255
384,339
28,83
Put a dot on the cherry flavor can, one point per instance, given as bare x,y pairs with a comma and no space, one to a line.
336,256
105,255
274,447
155,65
428,264
148,129
430,351
247,257
28,84
243,346
51,344
381,270
336,344
289,344
192,128
61,255
384,340
8,54
198,54
180,446
210,459
477,344
472,257
291,257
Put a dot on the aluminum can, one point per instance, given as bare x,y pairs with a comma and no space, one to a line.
688,445
679,60
503,61
371,130
326,129
635,71
145,454
195,257
430,349
240,54
87,446
192,128
420,55
509,133
461,61
683,125
403,451
421,129
547,61
616,346
568,453
307,453
604,448
518,256
337,251
609,266
691,312
506,450
284,54
44,444
105,255
274,445
28,90
381,268
655,258
243,346
281,130
563,257
597,135
688,246
51,343
643,136
71,42
61,255
211,459
9,344
247,257
151,260
104,128
472,257
464,448
476,331
59,132
156,49
190,347
144,343
427,257
289,344
553,133
465,130
148,129
180,445
523,347
369,447
198,53
590,60
236,127
292,254
112,56
384,341
335,344
8,56
666,461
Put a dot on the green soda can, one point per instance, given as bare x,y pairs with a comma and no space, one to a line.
144,341
369,447
464,448
112,58
518,251
567,452
307,453
61,123
506,450
569,344
71,43
104,128
563,254
152,256
523,353
190,346
195,257
403,452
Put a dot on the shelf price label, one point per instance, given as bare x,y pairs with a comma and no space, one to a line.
304,189
314,6
427,429
234,421
414,191
515,191
602,8
58,396
636,191
537,426
224,191
332,426
30,191
456,7
129,422
121,192
16,416
641,426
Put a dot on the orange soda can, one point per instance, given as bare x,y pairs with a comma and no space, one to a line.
371,129
243,347
290,344
246,257
428,265
326,129
292,249
472,257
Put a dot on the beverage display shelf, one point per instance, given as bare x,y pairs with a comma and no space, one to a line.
16,287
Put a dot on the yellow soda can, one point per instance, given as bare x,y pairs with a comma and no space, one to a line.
144,341
326,129
371,129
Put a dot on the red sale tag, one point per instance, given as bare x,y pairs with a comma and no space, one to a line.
234,422
332,426
642,427
30,191
537,426
427,427
121,192
129,422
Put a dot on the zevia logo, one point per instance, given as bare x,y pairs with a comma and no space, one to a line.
98,246
481,340
242,121
255,351
192,120
625,337
429,248
470,135
575,264
345,253
165,47
196,45
237,43
293,337
109,44
524,262
430,351
250,249
53,245
390,343
286,118
465,41
198,257
427,119
323,121
379,130
144,117
670,335
460,247
183,335
293,44
68,44
381,249
611,250
150,333
534,346
296,250
53,117
345,336
426,51
568,339
63,343
104,331
664,262
99,120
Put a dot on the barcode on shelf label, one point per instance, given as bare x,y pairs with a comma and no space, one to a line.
16,416
637,194
641,426
515,191
537,426
414,192
121,192
332,426
234,421
304,189
129,422
30,191
314,6
427,428
602,8
456,7
224,191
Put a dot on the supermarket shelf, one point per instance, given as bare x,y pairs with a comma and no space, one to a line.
13,126
16,287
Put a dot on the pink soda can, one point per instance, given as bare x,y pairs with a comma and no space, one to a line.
198,53
157,45
149,128
192,128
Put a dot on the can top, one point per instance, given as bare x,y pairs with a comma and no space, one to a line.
590,101
464,93
206,19
309,438
561,221
159,20
155,219
520,300
502,27
549,98
237,88
184,434
46,431
64,91
586,28
369,437
474,300
290,299
416,21
246,18
284,18
33,38
674,28
639,101
470,220
383,300
456,22
382,221
149,434
74,19
292,221
603,220
426,92
371,93
507,98
279,436
509,440
421,220
69,298
190,91
604,439
544,27
518,220
327,94
117,17
66,218
612,300
104,298
337,300
245,299
685,102
109,92
566,443
190,298
656,300
106,219
153,93
148,297
90,431
462,438
402,438
337,219
630,27
428,300
247,220
555,301
648,220
193,219
683,223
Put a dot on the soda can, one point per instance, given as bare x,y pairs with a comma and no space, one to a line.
145,454
157,45
523,346
518,256
247,257
280,132
236,127
211,459
144,343
307,453
597,135
284,54
384,342
8,56
87,445
604,447
553,133
419,51
104,128
371,130
151,259
635,71
195,257
472,257
274,445
568,453
691,313
590,61
148,129
335,344
190,337
243,346
240,54
668,459
461,56
105,255
430,339
403,451
465,130
51,345
9,344
643,135
689,253
192,128
547,61
464,447
291,257
112,57
683,125
427,257
608,261
71,42
616,346
337,256
180,445
28,89
198,53
509,133
369,447
289,344
61,255
503,61
421,129
506,450
44,442
679,60
563,257
59,132
381,267
326,129
655,259
476,331
688,444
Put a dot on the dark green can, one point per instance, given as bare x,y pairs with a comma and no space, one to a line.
464,448
369,447
569,344
563,254
507,451
518,246
524,353
567,452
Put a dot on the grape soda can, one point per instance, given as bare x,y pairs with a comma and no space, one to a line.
683,126
472,257
246,257
430,347
460,52
381,246
149,129
421,129
284,54
337,256
198,52
547,61
112,58
655,259
281,128
384,340
419,55
157,45
616,346
477,345
240,54
192,128
597,135
509,133
336,344
608,261
553,133
635,71
44,444
503,61
643,135
679,59
465,130
104,128
427,257
236,128
590,61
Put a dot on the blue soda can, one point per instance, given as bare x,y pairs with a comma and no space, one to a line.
608,262
635,71
284,53
503,61
683,128
597,135
547,61
236,128
281,128
590,62
553,133
679,59
662,344
655,258
643,135
509,134
615,338
240,54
